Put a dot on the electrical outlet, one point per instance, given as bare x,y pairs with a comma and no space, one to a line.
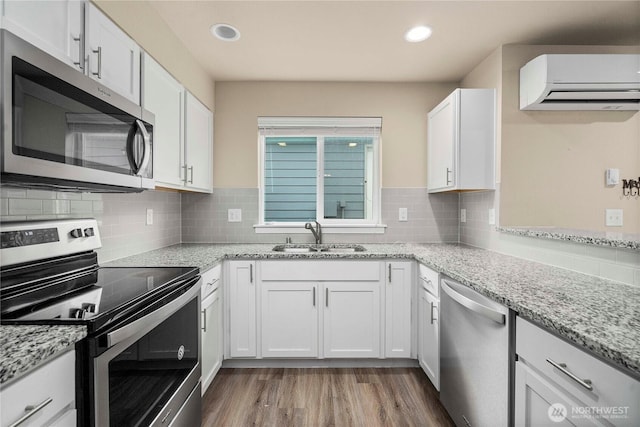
492,216
613,217
402,214
149,216
463,215
234,215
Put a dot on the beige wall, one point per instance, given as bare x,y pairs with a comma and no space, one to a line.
553,162
402,106
140,20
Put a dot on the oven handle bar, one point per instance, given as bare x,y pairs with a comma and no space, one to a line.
152,318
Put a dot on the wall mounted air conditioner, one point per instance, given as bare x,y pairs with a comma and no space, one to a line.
581,82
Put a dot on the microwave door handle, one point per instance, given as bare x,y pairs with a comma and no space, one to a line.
131,149
146,138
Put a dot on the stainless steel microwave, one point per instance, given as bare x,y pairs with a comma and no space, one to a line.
63,130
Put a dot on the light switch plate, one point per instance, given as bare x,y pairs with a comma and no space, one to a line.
613,217
612,177
149,217
402,214
234,215
492,216
463,215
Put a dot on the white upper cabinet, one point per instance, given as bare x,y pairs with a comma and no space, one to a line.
53,26
461,142
163,96
198,145
113,58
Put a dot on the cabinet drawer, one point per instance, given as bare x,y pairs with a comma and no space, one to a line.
321,270
55,380
611,388
428,279
210,280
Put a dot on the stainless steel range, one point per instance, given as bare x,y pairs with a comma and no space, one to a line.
139,365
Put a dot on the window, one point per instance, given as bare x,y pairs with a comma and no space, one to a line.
319,169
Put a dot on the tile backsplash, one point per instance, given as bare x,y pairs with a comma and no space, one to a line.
431,218
121,217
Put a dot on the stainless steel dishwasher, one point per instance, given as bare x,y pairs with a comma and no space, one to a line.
474,357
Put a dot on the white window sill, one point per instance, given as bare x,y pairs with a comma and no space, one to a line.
328,229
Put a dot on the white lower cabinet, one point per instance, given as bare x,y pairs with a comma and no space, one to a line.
429,324
289,319
352,319
48,393
397,298
242,308
559,384
212,330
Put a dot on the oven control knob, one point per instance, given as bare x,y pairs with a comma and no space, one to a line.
76,313
76,232
88,232
89,308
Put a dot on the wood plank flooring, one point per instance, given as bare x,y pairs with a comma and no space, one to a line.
322,397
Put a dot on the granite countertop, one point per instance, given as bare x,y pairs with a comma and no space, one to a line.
22,348
598,238
597,314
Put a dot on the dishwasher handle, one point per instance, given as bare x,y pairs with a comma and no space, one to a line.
472,305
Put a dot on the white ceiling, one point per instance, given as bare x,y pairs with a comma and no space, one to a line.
363,40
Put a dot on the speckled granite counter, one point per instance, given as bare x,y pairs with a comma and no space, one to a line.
25,347
598,238
600,315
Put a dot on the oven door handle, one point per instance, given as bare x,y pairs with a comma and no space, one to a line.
150,320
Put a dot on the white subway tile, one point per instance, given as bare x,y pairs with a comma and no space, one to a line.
4,207
81,207
25,207
91,196
55,207
66,195
617,272
40,194
10,218
98,206
13,193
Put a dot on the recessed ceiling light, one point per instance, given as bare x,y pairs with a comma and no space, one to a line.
225,32
418,34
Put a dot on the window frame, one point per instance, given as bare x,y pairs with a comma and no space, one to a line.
321,127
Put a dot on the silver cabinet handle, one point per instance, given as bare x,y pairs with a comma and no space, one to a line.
314,296
326,297
472,305
191,172
432,307
427,281
80,62
99,52
166,417
449,172
204,321
31,411
389,272
562,367
250,273
184,167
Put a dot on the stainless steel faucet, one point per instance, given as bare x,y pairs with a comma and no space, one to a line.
317,231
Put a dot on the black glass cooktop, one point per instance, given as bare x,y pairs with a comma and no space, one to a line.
88,295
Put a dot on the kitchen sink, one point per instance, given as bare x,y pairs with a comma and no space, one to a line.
331,248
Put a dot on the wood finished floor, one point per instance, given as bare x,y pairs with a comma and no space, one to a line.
322,397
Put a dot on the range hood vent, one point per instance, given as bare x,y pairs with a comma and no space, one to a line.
607,82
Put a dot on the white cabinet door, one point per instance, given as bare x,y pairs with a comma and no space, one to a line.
429,336
398,286
53,26
212,349
461,142
113,57
352,319
163,96
442,134
242,309
540,403
53,380
199,145
289,319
